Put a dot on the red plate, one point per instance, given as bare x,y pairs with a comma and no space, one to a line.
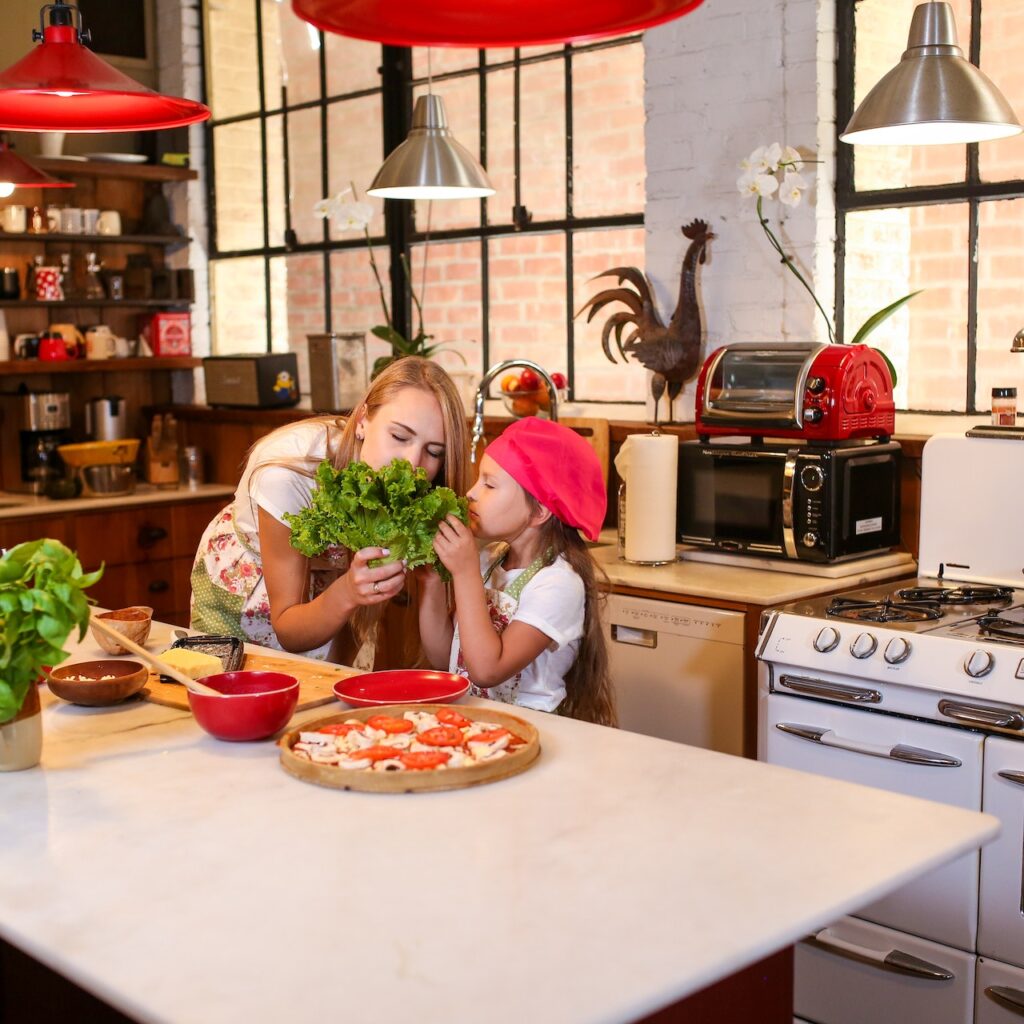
496,23
401,686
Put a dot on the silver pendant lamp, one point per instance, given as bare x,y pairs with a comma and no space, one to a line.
934,95
430,163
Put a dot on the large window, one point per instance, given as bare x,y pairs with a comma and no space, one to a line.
945,219
298,116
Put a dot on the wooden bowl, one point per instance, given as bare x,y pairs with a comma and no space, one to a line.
97,684
134,622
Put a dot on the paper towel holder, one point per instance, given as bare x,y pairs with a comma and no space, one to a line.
621,524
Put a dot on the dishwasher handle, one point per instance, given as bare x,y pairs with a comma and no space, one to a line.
634,637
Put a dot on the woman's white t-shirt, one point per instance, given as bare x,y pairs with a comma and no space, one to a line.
553,602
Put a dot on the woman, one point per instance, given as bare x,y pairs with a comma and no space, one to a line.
248,581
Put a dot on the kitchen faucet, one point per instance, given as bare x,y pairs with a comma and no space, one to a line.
485,384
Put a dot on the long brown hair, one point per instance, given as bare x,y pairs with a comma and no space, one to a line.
588,689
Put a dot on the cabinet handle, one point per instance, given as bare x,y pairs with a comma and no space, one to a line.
158,586
1011,999
895,960
151,535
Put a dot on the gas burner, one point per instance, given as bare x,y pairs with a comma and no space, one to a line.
884,611
992,625
957,595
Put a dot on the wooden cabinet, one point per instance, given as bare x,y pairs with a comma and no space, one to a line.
146,550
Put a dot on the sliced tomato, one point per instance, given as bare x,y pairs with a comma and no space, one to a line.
449,717
390,724
421,760
489,737
441,736
341,728
377,753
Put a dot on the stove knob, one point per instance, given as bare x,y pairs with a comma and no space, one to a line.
827,640
864,646
978,664
812,415
897,650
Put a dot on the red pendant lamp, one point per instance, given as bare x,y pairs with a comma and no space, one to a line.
496,23
18,173
62,86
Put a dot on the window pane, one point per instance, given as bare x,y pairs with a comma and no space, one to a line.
232,67
238,164
505,54
608,131
442,59
279,304
354,151
881,39
528,299
1002,39
271,16
461,98
890,253
1000,297
275,180
304,174
355,300
298,50
500,153
352,65
239,309
595,377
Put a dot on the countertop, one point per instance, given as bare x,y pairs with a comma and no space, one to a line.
16,506
185,879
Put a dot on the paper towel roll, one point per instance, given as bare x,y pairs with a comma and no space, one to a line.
647,464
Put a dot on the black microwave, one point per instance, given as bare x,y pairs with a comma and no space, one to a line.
807,502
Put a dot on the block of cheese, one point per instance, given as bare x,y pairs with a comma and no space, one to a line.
194,664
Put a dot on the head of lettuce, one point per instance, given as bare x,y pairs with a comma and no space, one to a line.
359,507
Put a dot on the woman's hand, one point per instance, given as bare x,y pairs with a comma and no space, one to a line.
456,547
373,585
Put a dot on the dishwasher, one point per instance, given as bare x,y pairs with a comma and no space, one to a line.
677,670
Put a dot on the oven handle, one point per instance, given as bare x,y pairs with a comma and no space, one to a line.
836,691
894,960
788,479
1017,778
899,752
978,714
1011,999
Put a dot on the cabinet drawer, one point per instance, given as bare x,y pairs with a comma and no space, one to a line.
190,520
134,535
18,531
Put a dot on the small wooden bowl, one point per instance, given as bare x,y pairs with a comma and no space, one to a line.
97,684
134,622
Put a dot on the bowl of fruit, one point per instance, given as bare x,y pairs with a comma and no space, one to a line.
525,393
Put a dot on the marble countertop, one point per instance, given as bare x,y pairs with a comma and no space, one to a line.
185,879
15,506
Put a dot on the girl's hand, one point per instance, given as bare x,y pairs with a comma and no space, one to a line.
368,585
456,547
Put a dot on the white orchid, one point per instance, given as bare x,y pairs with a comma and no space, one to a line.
791,159
791,189
755,184
347,214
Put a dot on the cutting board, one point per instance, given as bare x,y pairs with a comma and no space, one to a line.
316,681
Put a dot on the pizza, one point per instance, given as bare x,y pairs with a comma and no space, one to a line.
409,747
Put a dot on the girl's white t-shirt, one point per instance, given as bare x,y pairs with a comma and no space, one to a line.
553,602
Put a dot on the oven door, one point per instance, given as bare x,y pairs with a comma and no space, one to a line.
1000,993
1001,931
900,755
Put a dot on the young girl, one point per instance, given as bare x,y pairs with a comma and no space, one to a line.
525,629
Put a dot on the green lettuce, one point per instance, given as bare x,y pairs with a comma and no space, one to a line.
359,507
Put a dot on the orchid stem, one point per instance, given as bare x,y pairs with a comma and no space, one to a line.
373,265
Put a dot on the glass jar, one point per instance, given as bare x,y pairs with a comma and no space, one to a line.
1004,407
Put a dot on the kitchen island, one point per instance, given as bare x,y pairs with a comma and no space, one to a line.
183,879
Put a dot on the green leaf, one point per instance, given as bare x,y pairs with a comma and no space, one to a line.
880,317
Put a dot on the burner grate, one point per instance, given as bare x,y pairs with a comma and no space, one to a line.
1003,629
884,611
957,595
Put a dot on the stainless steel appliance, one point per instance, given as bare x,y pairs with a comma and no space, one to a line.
815,503
41,422
337,371
918,688
819,393
106,418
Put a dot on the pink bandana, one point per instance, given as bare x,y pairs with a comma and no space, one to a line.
557,467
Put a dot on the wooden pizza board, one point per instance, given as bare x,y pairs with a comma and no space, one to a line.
413,781
316,681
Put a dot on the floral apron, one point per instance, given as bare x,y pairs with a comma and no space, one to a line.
502,606
229,595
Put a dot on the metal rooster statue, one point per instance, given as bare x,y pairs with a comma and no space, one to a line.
672,353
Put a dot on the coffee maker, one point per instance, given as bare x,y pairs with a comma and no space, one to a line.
42,422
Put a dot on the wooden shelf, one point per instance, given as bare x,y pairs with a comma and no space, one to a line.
177,304
109,169
54,236
33,367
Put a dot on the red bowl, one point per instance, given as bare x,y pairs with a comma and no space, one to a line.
401,686
252,705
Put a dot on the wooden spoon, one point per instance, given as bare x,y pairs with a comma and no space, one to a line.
161,666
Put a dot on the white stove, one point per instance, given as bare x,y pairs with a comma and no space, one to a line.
918,687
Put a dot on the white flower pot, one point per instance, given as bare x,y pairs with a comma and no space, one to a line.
21,737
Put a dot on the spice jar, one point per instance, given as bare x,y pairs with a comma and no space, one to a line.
1004,407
